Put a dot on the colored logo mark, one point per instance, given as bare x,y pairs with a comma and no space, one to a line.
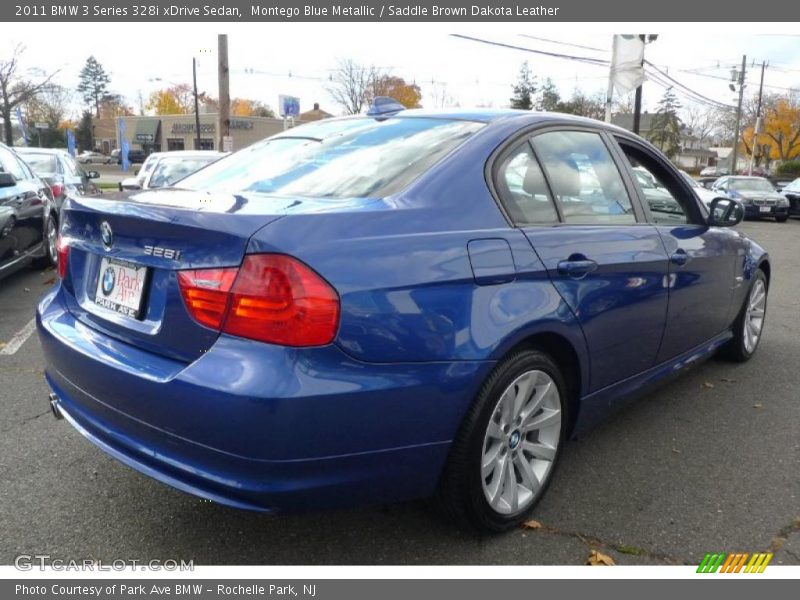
734,563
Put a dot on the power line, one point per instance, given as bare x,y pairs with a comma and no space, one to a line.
541,39
586,59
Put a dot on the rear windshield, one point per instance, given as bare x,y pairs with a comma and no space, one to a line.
363,158
42,164
171,169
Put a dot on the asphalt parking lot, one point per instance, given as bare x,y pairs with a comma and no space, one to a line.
708,462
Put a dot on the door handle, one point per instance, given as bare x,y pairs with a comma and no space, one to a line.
680,257
576,267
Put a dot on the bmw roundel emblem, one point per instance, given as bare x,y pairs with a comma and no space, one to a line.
109,277
106,234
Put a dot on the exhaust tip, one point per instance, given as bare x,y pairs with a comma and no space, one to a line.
54,406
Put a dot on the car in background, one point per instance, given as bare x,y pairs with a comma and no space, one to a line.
379,308
757,194
705,194
162,169
792,194
61,172
88,157
715,171
28,230
135,157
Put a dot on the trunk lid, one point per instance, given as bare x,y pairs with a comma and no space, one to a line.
157,233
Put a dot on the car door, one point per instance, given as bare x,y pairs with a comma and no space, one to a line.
706,263
607,264
23,206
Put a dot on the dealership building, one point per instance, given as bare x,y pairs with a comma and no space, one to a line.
179,132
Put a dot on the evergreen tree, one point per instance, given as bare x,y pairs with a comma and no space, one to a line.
93,84
83,132
665,131
549,98
524,89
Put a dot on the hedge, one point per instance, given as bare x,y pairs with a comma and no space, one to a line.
791,167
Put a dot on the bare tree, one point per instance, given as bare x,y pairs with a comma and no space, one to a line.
441,96
351,84
50,105
16,88
702,122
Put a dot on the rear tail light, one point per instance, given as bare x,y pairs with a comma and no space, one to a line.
57,189
272,298
62,251
206,294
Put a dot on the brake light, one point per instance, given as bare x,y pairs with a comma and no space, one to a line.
272,298
62,251
206,294
57,189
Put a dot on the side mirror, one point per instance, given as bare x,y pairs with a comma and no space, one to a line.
7,180
725,212
93,175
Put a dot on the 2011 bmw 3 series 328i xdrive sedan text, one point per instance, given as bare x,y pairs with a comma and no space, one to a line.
391,306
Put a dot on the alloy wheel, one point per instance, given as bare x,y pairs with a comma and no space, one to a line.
52,239
754,315
521,442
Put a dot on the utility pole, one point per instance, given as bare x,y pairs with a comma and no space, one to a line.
740,76
637,98
757,128
224,90
196,106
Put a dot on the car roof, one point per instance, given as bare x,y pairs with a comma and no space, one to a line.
187,153
34,150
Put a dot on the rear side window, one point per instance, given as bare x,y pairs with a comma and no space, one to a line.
42,164
358,158
522,188
584,178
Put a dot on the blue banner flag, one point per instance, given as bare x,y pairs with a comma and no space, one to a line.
71,142
21,123
124,146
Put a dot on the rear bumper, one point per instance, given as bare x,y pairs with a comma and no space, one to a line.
257,426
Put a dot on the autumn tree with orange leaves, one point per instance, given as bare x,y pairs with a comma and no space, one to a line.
779,138
242,107
175,100
407,94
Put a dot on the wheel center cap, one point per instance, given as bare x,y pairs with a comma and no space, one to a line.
514,439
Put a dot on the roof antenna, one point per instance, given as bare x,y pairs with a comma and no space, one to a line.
384,106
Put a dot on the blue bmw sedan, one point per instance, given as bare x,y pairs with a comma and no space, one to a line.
390,306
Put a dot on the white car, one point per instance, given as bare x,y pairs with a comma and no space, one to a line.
704,194
87,157
162,169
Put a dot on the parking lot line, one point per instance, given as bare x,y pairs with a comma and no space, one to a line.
18,339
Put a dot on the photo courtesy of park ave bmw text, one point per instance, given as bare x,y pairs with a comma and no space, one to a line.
360,299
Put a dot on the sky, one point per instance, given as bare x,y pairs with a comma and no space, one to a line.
269,59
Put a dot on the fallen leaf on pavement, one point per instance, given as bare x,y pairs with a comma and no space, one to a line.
532,524
598,558
49,281
708,385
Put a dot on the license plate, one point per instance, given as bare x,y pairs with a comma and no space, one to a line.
765,209
120,287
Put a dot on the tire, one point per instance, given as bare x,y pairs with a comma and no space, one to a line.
50,259
501,495
742,347
782,219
